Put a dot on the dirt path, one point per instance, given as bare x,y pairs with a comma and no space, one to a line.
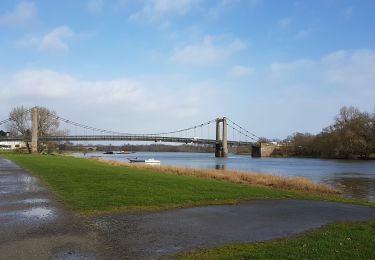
33,225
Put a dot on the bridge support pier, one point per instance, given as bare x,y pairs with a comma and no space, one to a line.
34,129
263,149
221,146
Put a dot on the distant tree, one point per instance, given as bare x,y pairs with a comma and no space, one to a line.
20,123
264,140
353,129
352,135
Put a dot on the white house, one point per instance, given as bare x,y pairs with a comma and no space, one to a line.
10,145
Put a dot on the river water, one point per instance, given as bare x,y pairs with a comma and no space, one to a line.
355,178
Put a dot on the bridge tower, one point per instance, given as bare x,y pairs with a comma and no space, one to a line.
221,146
34,129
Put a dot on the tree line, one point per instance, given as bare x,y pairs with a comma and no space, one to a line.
351,136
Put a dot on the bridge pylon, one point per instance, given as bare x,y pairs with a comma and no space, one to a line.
221,145
34,129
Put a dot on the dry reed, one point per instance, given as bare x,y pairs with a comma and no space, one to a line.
250,178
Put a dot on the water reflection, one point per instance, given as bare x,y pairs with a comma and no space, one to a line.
40,212
34,201
30,184
220,166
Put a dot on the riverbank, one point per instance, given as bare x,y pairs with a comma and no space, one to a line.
356,179
250,178
89,187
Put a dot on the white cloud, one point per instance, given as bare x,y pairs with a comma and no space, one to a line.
160,11
354,70
150,102
23,14
320,87
48,84
241,71
300,95
95,6
210,50
54,41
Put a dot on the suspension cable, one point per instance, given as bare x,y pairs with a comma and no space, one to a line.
248,132
119,133
241,132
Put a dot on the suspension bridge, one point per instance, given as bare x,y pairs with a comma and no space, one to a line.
186,135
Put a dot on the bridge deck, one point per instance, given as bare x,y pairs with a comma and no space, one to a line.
128,138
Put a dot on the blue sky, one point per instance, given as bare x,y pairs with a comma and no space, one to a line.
276,67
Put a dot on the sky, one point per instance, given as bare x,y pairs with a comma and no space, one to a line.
136,66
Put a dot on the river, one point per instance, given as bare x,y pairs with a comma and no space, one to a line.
355,178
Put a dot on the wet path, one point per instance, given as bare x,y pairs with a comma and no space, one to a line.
150,235
34,226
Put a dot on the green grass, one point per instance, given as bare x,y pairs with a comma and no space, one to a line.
88,186
335,241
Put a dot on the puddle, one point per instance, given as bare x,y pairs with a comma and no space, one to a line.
41,212
25,201
30,184
34,201
24,216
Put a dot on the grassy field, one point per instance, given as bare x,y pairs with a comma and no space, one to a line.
335,241
88,186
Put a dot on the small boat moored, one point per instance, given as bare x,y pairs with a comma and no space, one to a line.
152,161
148,161
135,160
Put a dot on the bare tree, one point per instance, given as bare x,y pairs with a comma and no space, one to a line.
48,124
20,123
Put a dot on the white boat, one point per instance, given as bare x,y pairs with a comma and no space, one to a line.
148,161
152,161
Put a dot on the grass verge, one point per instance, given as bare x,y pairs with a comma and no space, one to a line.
335,241
88,186
251,178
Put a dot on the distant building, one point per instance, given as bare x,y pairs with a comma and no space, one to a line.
11,145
